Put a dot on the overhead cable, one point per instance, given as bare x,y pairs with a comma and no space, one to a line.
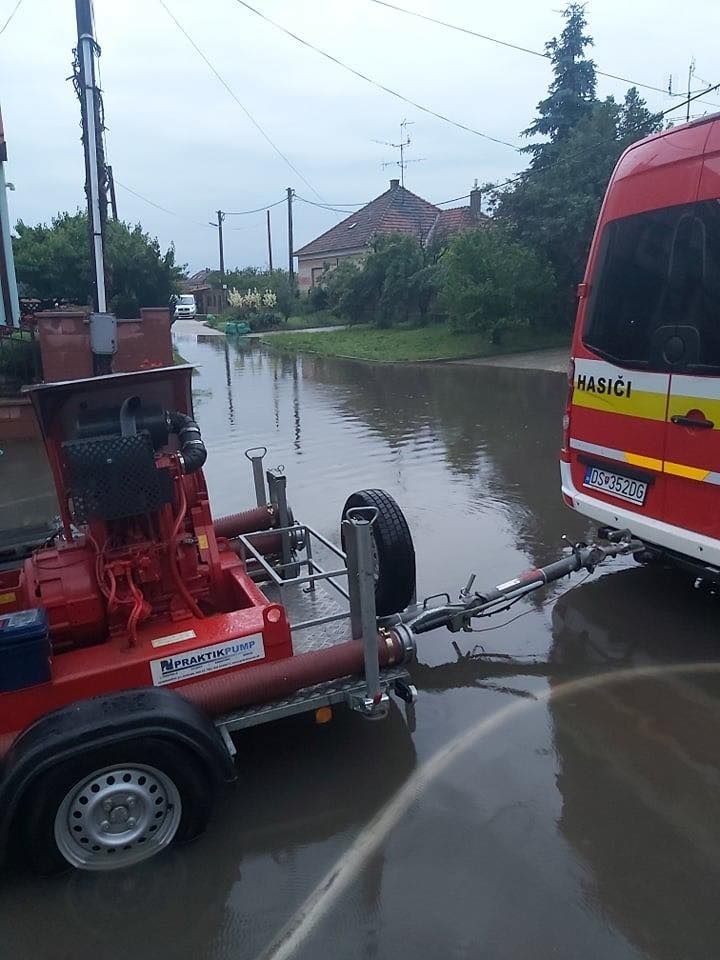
256,123
582,154
158,206
268,206
374,83
14,10
512,46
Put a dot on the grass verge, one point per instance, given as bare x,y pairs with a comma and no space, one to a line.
322,318
423,343
300,322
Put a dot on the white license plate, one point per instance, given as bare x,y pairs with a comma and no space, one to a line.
625,488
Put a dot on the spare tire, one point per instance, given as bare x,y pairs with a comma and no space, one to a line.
393,548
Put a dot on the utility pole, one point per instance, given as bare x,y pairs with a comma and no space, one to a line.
291,266
220,218
89,93
269,241
111,188
9,305
691,71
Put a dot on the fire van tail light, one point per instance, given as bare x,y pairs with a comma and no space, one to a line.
565,452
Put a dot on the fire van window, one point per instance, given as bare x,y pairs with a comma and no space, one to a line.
657,271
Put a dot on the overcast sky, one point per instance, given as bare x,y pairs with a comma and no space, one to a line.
177,137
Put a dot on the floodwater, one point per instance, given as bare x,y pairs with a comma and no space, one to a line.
566,805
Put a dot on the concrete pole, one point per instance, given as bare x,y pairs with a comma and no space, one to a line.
291,267
9,305
94,161
220,218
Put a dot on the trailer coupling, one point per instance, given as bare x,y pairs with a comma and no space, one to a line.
473,604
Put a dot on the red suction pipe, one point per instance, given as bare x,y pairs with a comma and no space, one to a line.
281,678
259,518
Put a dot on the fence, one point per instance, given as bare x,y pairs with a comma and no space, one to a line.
20,362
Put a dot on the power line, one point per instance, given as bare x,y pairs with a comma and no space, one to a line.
506,43
268,206
258,126
14,10
580,155
374,83
158,206
335,206
326,206
442,203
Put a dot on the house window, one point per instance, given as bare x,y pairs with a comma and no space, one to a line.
316,275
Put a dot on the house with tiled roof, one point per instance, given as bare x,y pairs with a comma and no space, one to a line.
396,211
208,298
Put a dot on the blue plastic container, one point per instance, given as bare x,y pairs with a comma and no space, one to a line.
24,649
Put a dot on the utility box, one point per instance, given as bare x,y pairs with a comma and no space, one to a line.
103,334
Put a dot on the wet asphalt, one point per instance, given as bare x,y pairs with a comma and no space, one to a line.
565,804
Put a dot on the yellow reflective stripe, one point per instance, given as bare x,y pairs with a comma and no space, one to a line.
680,470
649,406
650,463
680,405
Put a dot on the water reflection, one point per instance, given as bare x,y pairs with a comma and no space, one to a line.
493,427
301,794
639,760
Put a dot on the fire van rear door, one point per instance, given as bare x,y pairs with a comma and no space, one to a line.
692,458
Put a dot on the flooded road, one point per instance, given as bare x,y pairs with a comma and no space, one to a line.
567,808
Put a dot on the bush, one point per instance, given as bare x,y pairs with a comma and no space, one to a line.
250,278
265,320
317,299
19,361
396,284
489,282
345,295
254,307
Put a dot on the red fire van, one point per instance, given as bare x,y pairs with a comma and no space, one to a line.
641,445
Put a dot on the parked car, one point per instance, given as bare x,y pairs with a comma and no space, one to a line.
641,447
185,306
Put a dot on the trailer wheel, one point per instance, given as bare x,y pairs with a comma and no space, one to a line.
115,806
393,551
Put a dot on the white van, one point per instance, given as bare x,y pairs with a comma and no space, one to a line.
185,306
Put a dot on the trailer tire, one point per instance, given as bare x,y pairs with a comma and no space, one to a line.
393,548
165,783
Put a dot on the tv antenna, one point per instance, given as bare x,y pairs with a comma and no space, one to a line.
402,146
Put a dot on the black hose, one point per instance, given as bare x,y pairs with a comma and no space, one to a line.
192,448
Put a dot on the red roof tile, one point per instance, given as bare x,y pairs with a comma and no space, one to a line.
395,211
454,220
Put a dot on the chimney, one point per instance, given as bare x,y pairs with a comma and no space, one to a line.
394,184
476,201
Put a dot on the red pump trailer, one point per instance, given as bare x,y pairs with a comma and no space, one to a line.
135,640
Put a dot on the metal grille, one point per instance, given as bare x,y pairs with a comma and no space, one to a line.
112,477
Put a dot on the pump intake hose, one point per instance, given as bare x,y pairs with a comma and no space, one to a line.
192,448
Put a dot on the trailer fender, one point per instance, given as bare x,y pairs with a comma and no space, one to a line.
104,721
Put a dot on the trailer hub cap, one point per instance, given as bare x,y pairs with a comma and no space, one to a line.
116,817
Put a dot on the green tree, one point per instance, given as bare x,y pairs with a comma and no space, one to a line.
635,120
554,204
490,281
395,284
572,91
54,262
347,294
